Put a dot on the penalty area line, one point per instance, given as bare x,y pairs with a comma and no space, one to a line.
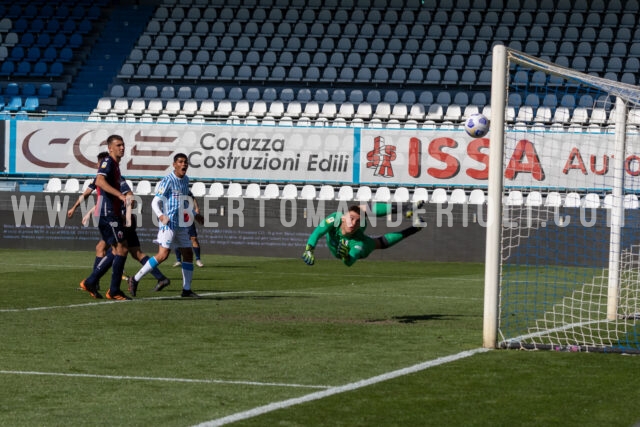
177,380
260,410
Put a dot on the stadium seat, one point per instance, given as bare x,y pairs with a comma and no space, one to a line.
363,194
198,189
382,194
143,187
54,185
439,195
420,194
572,200
234,190
401,195
345,193
514,198
271,191
458,196
631,201
308,192
216,190
252,191
289,191
553,199
592,200
476,197
534,198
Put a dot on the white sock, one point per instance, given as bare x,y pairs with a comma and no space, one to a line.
144,270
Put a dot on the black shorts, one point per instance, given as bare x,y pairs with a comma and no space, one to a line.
131,236
192,230
111,229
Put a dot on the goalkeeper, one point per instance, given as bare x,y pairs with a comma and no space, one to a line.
346,236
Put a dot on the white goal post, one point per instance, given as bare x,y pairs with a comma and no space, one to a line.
562,266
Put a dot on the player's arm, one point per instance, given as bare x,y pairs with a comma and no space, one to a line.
82,196
196,210
156,207
312,241
101,181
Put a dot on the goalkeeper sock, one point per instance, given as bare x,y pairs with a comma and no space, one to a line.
178,255
391,239
196,251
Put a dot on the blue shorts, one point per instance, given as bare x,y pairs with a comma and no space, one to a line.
111,229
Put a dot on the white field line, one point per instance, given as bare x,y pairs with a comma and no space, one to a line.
336,390
205,294
176,380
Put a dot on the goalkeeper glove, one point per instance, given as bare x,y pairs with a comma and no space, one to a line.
343,249
307,256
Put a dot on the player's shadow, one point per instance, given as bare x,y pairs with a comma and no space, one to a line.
424,318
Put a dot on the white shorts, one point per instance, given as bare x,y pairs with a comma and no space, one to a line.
173,239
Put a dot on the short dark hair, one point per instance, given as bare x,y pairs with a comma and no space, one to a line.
356,208
114,138
102,155
179,156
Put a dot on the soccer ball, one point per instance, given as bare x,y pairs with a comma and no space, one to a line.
476,125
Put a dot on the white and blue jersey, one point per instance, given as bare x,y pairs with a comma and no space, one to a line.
174,193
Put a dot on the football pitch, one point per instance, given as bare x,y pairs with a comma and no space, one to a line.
273,342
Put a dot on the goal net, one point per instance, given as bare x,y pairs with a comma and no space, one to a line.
563,240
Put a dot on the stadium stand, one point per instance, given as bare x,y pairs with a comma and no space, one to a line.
362,63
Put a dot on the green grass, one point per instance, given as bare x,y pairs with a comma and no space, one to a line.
269,330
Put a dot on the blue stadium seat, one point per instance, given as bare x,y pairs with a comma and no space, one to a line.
31,104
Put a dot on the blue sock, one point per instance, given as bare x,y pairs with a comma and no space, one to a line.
196,252
116,273
95,264
97,261
100,269
155,272
178,255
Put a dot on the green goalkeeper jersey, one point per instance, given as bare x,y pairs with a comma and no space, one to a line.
360,245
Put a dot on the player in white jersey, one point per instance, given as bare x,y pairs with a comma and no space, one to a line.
174,208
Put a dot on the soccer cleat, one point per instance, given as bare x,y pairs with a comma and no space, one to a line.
125,277
133,285
91,289
199,263
177,264
119,296
409,207
161,284
188,293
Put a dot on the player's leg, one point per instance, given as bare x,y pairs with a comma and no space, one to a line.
178,258
407,209
183,241
101,252
390,239
142,258
134,249
117,269
195,246
164,240
109,237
